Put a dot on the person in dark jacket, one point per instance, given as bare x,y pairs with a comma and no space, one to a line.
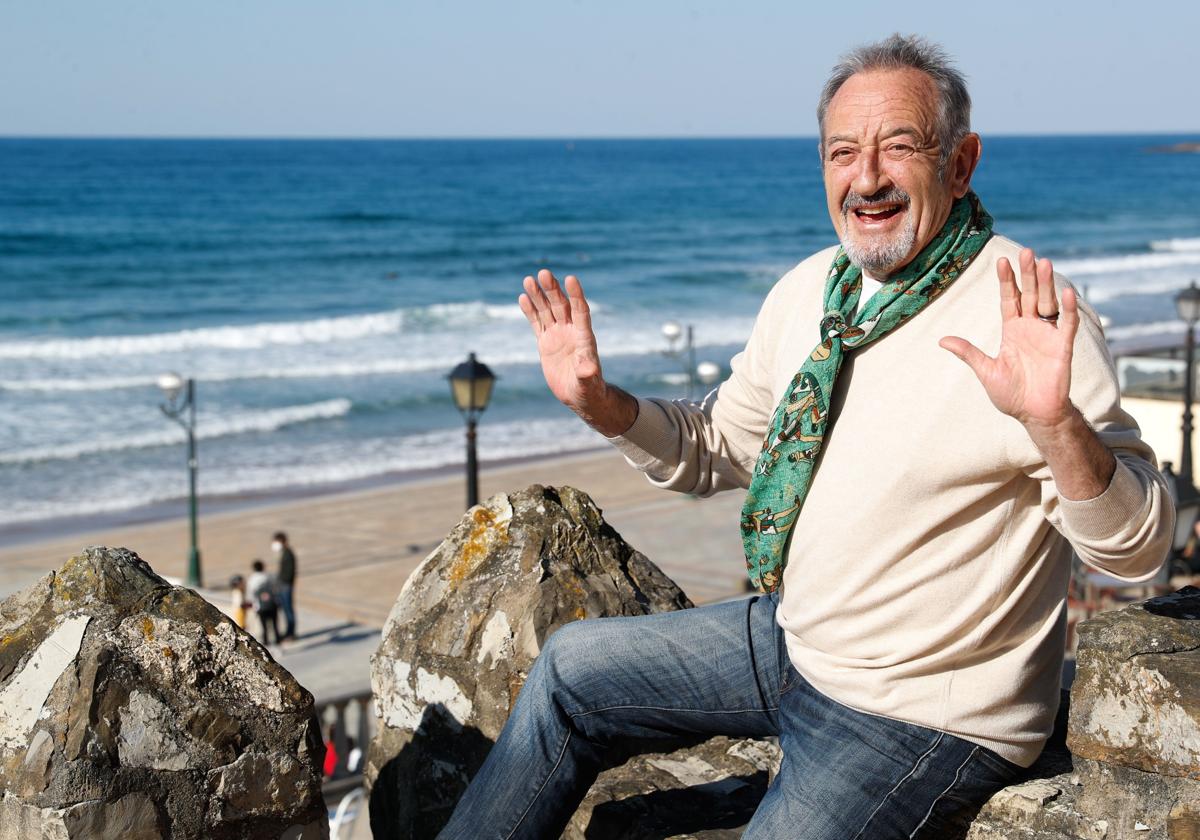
285,582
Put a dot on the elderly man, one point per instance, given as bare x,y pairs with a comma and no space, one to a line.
908,645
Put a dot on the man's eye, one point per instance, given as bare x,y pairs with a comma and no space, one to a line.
842,155
899,151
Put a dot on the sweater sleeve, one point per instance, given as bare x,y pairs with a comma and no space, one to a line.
703,448
1126,531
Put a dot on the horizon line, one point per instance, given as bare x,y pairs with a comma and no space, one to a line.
568,138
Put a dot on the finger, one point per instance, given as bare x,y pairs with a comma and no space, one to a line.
1047,301
1010,295
526,300
530,313
1068,319
974,358
581,313
1029,284
538,298
558,301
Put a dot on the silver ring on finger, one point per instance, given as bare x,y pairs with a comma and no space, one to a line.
1049,319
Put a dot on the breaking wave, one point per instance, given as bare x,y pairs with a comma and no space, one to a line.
207,428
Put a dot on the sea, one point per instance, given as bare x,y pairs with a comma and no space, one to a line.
319,292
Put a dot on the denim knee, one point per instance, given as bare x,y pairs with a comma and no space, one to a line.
572,660
565,652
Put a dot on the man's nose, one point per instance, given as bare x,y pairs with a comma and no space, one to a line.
869,176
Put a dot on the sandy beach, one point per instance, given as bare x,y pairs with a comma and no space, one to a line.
357,547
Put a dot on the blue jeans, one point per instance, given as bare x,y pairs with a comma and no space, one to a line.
721,669
284,591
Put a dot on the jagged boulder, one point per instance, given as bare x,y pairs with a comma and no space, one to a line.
130,708
1135,715
464,633
1136,700
1133,734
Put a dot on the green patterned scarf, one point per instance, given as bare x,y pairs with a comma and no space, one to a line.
785,467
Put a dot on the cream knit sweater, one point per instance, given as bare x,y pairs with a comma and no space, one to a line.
927,572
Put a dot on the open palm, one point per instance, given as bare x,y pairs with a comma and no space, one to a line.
566,343
1030,377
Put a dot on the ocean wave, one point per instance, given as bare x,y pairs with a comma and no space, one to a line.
1186,244
318,371
1148,330
102,383
364,217
617,339
207,428
322,465
1125,263
262,335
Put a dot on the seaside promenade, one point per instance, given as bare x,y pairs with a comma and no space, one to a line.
357,548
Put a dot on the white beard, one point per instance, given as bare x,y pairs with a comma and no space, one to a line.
878,256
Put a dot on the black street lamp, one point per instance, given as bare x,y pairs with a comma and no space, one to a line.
1188,304
471,385
183,412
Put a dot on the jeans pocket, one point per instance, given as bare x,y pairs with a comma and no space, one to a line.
789,678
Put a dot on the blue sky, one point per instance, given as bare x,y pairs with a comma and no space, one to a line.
573,68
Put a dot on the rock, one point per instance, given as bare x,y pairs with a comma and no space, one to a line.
1136,697
466,629
709,790
1125,797
1133,732
1039,809
133,709
1178,148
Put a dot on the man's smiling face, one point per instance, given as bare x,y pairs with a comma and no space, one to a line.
880,158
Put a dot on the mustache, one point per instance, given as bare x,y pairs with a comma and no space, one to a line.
891,195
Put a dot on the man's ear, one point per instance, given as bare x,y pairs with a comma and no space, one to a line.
962,163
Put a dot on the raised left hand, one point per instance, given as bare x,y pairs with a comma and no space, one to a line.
1030,377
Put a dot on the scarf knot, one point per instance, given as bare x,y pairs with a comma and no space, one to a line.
833,325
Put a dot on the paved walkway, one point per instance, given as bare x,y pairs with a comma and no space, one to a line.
356,549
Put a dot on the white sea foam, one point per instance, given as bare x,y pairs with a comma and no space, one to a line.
206,428
1154,328
327,463
102,383
1126,263
506,343
1187,244
262,335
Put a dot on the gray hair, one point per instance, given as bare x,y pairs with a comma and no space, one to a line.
899,52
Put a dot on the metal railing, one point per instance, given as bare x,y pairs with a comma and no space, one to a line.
350,720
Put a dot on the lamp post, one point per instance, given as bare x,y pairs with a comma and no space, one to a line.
183,412
1188,304
1187,508
705,372
708,372
671,331
471,386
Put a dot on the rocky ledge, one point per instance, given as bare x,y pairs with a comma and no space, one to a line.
133,709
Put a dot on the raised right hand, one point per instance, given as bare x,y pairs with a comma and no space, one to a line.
566,344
